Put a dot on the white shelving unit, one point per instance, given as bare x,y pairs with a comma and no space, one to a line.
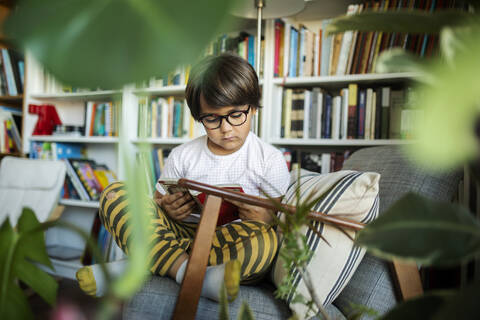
106,149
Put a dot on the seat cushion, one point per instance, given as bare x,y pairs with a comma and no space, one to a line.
156,300
351,194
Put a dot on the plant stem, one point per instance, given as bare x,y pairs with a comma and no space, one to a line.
313,294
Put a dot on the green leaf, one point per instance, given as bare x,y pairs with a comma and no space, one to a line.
223,313
106,43
413,21
420,308
17,304
139,245
38,280
245,313
15,250
32,242
446,137
461,306
423,230
399,60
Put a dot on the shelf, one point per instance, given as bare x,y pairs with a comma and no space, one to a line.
377,78
342,142
89,95
75,139
12,99
165,141
79,203
161,91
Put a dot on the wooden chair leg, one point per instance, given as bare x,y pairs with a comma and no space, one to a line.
189,295
407,278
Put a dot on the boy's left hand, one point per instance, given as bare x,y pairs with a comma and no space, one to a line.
249,212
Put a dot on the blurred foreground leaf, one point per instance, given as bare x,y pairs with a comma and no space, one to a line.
450,103
420,308
413,21
423,230
463,305
18,249
106,43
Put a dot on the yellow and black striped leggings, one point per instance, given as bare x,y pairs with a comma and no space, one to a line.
253,243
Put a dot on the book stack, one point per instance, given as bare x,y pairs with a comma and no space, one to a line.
102,118
303,52
11,72
10,139
160,117
352,113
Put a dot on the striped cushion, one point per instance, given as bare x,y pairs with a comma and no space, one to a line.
350,194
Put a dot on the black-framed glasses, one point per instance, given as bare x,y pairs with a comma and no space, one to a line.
235,118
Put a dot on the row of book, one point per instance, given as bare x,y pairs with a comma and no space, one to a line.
354,113
321,162
85,179
169,117
303,52
152,163
10,138
12,72
102,118
242,44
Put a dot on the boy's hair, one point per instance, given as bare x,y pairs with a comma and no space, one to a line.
223,80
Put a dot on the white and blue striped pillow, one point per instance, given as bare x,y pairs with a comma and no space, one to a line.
351,194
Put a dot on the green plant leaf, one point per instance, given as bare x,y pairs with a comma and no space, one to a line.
413,21
37,279
140,243
17,304
420,308
106,43
423,230
461,306
245,313
446,136
399,60
16,250
223,312
32,243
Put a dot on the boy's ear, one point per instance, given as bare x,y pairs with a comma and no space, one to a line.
254,111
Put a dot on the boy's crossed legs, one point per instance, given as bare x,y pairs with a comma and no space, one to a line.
246,249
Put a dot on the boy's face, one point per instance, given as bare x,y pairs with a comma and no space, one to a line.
227,138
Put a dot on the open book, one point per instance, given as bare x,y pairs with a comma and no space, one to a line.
228,211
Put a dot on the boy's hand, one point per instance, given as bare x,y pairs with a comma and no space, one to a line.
249,212
178,206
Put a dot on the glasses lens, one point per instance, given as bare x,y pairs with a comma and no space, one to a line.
211,122
237,118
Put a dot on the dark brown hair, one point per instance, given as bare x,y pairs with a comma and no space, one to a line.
223,80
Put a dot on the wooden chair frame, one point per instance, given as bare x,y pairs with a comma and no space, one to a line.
407,276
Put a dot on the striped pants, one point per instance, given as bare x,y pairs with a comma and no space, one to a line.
253,243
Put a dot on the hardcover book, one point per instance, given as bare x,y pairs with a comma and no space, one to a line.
228,211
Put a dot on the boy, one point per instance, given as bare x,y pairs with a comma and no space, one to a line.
223,94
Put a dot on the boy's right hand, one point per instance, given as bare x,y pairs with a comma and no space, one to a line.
178,206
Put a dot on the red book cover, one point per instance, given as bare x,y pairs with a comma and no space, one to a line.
228,212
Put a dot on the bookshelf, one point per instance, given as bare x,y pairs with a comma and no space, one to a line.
11,92
71,109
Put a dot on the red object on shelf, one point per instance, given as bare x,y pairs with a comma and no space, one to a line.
47,118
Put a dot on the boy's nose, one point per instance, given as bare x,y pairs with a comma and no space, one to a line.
225,126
